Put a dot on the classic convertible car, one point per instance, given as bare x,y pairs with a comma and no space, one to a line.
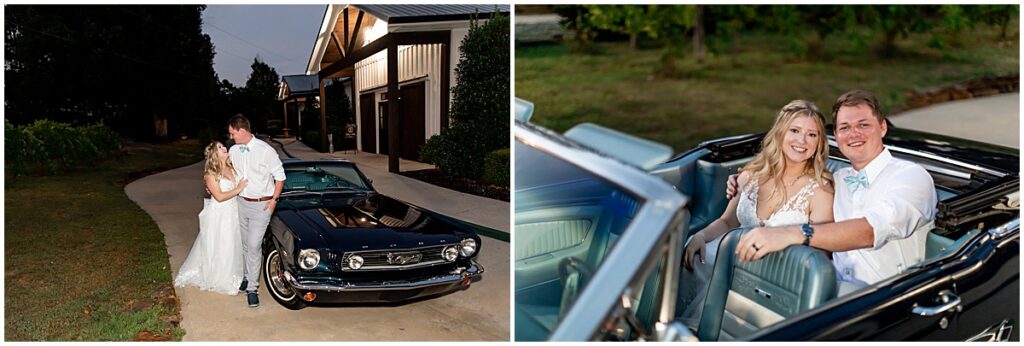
334,239
600,230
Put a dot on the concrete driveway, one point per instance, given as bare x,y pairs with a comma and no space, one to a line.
481,312
991,119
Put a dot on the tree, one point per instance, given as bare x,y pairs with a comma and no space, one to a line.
999,15
261,94
726,21
634,20
125,65
897,21
480,109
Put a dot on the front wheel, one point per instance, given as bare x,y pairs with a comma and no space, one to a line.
273,276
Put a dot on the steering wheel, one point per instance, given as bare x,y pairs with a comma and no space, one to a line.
337,182
573,274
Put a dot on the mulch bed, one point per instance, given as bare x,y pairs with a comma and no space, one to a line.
460,184
978,87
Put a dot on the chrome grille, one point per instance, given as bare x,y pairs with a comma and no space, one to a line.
379,259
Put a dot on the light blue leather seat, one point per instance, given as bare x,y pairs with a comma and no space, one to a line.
745,297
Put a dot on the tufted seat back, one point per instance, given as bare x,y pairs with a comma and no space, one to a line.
745,297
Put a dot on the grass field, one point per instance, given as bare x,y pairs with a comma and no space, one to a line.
81,260
620,88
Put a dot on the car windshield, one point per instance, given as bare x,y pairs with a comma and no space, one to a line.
320,176
567,220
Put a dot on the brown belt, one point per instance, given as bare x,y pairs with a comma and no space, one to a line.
261,199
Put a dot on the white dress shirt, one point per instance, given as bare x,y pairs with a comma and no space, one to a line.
899,203
260,165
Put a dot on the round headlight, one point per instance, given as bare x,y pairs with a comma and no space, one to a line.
467,247
450,253
309,259
355,261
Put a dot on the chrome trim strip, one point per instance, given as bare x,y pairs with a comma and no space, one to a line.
458,275
393,267
946,160
930,156
440,247
1004,229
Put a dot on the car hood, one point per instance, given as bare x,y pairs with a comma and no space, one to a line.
367,222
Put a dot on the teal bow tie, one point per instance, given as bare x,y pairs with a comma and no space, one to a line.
243,148
855,182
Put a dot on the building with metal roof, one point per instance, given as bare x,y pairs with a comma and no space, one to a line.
388,51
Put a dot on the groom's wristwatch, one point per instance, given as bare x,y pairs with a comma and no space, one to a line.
808,232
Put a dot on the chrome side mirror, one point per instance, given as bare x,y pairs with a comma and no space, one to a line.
673,332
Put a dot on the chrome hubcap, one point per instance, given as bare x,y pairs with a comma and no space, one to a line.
275,272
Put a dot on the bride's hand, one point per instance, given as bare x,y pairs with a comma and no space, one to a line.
242,183
694,248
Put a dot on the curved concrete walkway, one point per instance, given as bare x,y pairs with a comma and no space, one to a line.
991,119
174,199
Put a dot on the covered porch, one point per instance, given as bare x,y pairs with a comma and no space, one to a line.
399,58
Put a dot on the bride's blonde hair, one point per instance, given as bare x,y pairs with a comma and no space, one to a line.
770,161
212,167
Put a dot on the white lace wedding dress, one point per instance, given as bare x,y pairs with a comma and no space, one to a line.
695,286
215,261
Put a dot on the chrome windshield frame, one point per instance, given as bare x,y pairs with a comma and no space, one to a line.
660,203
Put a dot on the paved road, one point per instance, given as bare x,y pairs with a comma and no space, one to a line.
174,199
992,119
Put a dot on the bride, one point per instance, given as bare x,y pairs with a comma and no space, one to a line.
785,184
215,262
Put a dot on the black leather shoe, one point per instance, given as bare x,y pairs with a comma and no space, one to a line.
254,299
245,284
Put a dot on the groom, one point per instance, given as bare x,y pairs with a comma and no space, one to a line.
258,162
884,206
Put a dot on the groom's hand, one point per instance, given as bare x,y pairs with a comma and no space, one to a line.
270,205
761,241
731,186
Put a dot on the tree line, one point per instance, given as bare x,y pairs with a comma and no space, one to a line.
145,71
878,26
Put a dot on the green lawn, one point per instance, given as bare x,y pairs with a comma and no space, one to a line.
81,260
619,88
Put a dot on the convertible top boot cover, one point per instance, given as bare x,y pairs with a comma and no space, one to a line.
745,297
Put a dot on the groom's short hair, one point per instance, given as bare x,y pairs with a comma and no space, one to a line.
858,97
239,122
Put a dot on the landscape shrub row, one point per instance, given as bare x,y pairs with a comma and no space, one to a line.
52,147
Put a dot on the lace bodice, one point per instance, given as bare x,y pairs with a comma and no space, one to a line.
226,184
793,212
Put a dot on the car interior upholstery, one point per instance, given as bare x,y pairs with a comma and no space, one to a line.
745,297
733,308
558,243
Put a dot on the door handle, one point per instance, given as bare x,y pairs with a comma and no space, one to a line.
948,301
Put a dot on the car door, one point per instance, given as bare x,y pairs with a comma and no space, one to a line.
967,295
988,285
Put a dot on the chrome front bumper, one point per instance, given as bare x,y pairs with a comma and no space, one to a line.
459,275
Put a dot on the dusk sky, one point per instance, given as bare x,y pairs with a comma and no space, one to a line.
281,35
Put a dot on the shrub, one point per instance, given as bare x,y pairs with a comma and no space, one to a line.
58,146
22,147
480,108
496,167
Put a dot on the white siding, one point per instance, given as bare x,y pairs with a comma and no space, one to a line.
415,63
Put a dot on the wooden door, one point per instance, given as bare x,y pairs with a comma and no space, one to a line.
367,115
413,110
